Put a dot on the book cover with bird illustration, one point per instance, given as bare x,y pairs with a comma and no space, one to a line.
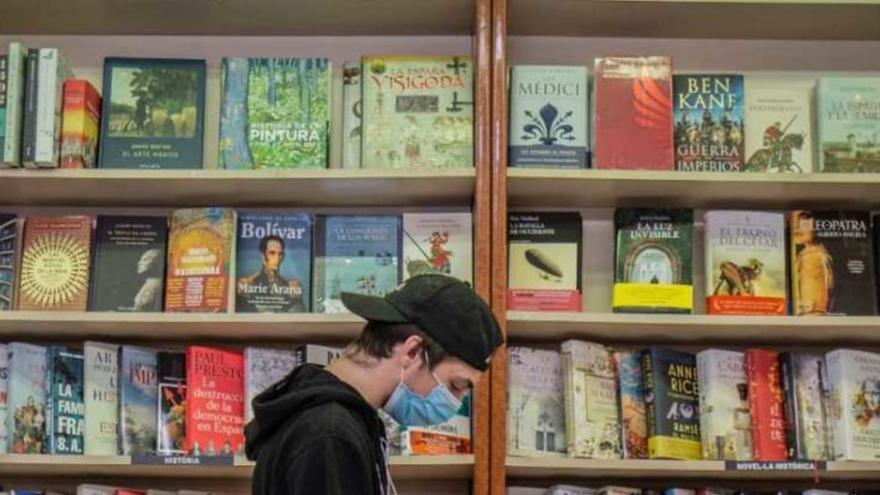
709,122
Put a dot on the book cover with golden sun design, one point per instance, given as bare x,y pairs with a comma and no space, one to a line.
55,264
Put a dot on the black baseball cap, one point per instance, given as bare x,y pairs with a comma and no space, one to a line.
443,307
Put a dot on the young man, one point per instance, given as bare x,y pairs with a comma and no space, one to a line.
423,348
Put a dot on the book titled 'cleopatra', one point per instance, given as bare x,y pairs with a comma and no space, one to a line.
632,404
804,379
153,113
138,399
545,261
80,116
725,417
848,117
26,416
745,263
215,400
275,114
101,398
672,401
56,256
548,116
65,413
653,250
832,263
633,117
779,137
766,405
200,246
418,112
535,412
709,131
854,378
438,243
9,252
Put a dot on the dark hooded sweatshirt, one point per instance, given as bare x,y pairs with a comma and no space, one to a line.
314,434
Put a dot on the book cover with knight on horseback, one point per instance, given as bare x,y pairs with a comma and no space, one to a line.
779,125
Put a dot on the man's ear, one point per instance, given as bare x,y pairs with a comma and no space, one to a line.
412,350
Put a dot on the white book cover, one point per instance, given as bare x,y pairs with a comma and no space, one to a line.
618,490
569,490
89,489
53,72
854,378
438,243
4,406
101,398
592,427
262,369
317,354
351,115
535,410
26,414
779,125
725,420
17,63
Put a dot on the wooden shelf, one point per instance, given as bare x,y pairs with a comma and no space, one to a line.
690,329
609,188
180,188
748,19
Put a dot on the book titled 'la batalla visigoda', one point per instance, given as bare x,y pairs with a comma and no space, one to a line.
274,260
848,118
65,402
153,113
709,131
672,401
275,114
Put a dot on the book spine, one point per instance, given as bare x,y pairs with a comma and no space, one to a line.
650,399
351,115
4,98
787,372
29,126
49,98
17,60
568,385
101,398
52,357
4,395
839,419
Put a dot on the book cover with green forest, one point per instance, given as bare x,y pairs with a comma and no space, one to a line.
276,113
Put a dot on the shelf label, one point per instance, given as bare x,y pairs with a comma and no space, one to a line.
170,460
793,466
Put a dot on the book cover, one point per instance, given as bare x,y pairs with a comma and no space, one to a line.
26,419
101,398
745,263
65,401
215,401
9,251
171,408
632,404
4,89
55,262
201,242
709,130
548,116
351,114
354,253
766,404
618,490
633,104
569,490
544,252
4,398
129,264
53,71
275,113
138,398
153,113
418,112
29,117
672,403
725,417
654,260
804,379
438,243
779,134
592,428
273,263
854,379
450,438
535,409
832,263
81,114
848,120
263,367
14,99
319,355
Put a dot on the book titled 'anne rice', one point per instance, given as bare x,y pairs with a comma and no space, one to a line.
854,378
672,401
153,113
438,243
9,251
848,118
725,418
780,133
275,113
535,411
26,416
632,404
101,398
214,401
65,413
138,399
709,122
56,258
804,380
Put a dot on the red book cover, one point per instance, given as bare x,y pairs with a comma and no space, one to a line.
55,261
214,401
766,406
80,124
633,119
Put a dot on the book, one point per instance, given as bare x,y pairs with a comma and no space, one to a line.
745,263
765,404
654,260
80,122
569,490
804,380
129,264
215,401
450,438
672,404
418,112
319,355
548,116
138,399
4,398
633,104
4,89
832,263
65,401
201,242
171,408
535,408
29,113
591,407
779,131
848,121
544,253
854,380
153,113
709,130
273,263
53,71
275,113
101,398
26,419
633,422
263,367
14,101
725,416
10,249
438,243
55,263
354,253
351,114
618,490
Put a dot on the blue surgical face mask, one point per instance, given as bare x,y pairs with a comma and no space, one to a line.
411,409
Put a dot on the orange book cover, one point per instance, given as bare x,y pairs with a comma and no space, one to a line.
80,123
55,264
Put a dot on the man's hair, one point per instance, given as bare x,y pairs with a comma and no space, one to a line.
264,242
377,340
